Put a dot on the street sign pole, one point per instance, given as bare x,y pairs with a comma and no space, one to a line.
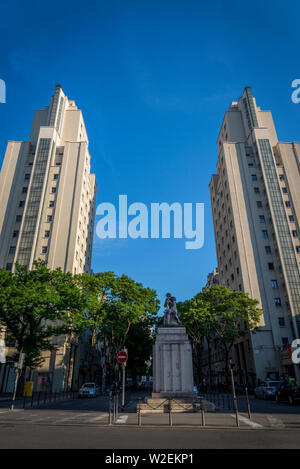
123,385
122,358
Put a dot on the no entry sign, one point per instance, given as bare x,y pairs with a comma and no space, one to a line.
122,357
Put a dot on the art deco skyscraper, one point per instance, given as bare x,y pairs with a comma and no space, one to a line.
47,210
255,198
47,192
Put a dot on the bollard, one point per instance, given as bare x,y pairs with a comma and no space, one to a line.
248,403
31,398
110,411
170,413
139,412
117,405
202,412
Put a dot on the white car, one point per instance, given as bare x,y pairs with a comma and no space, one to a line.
267,389
89,390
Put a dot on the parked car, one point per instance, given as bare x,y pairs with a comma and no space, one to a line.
267,389
288,392
89,390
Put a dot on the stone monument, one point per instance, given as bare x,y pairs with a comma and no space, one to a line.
172,357
173,384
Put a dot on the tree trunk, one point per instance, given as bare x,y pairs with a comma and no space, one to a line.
92,355
209,363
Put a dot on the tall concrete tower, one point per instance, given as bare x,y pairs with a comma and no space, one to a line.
47,192
255,199
47,211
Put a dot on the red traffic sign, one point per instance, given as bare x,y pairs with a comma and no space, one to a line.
122,357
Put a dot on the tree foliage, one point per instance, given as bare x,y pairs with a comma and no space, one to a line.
221,315
37,305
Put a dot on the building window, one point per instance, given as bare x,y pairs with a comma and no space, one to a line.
47,234
284,190
51,203
270,265
55,176
44,250
298,248
26,177
15,234
265,233
49,217
21,203
24,190
291,218
12,249
253,177
281,322
259,204
285,341
18,218
274,283
53,190
9,266
256,190
288,203
277,301
262,219
268,249
281,177
295,234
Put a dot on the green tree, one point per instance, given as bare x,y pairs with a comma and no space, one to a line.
235,315
37,305
127,303
219,315
139,343
96,290
199,321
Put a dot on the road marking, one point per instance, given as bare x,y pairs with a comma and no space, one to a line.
100,417
248,421
275,422
122,419
74,417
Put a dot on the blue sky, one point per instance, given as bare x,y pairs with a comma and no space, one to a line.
153,80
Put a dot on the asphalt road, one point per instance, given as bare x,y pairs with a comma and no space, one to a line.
83,424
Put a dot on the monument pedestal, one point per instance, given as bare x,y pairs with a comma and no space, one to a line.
172,373
172,364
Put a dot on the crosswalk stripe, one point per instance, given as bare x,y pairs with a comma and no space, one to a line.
122,419
248,421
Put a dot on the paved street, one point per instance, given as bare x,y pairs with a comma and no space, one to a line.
83,423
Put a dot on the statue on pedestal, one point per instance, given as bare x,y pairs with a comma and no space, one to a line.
171,313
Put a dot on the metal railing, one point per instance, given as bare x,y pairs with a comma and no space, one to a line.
40,398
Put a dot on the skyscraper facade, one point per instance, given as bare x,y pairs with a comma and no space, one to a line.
48,197
255,199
